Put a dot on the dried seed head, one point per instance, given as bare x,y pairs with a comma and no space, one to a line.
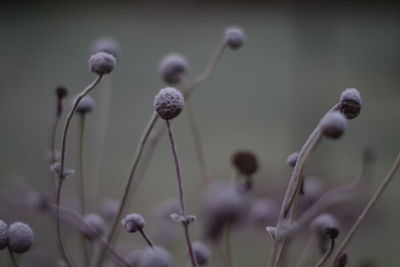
61,92
322,222
86,105
169,103
106,44
94,226
245,162
201,252
333,125
133,222
350,103
133,258
155,257
263,212
102,63
234,37
109,209
173,68
20,237
3,235
292,159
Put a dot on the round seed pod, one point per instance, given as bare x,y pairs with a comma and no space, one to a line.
20,237
109,208
61,92
133,258
350,103
173,68
102,63
292,159
245,162
234,37
95,226
333,125
133,222
86,105
106,44
155,257
3,235
322,222
201,252
169,103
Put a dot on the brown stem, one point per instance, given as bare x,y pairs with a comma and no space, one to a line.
327,254
146,238
13,259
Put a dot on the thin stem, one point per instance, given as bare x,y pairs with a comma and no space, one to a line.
227,245
327,254
13,259
52,147
135,164
366,210
181,192
146,238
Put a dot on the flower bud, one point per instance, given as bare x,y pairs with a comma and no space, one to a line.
234,37
86,105
20,237
133,222
94,227
155,257
333,125
292,159
322,222
3,235
245,162
102,63
106,44
169,103
201,252
173,68
350,103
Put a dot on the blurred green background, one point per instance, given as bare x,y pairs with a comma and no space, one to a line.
266,97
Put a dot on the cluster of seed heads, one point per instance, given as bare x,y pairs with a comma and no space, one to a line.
18,237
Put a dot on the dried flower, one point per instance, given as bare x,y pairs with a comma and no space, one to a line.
292,159
155,257
106,44
245,162
102,63
3,235
169,103
109,209
95,226
173,68
133,222
350,103
333,125
263,212
86,105
326,227
20,237
234,37
201,252
133,258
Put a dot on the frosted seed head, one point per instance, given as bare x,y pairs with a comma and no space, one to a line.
201,252
155,257
350,103
234,37
333,125
173,68
102,63
245,162
169,103
322,223
133,222
3,235
292,159
263,212
86,105
20,237
94,226
109,209
133,258
106,44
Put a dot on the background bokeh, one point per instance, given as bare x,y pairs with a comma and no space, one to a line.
265,97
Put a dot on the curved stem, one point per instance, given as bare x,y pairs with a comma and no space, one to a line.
181,192
366,210
327,254
13,259
146,238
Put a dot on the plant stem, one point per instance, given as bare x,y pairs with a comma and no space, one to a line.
181,192
227,244
369,206
13,259
146,238
327,254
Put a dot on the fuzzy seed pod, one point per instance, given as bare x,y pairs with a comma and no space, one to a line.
61,92
234,37
106,44
133,222
3,235
94,226
245,162
86,105
173,68
263,212
333,125
155,257
292,159
322,222
350,103
201,252
133,258
102,63
109,209
20,237
169,103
